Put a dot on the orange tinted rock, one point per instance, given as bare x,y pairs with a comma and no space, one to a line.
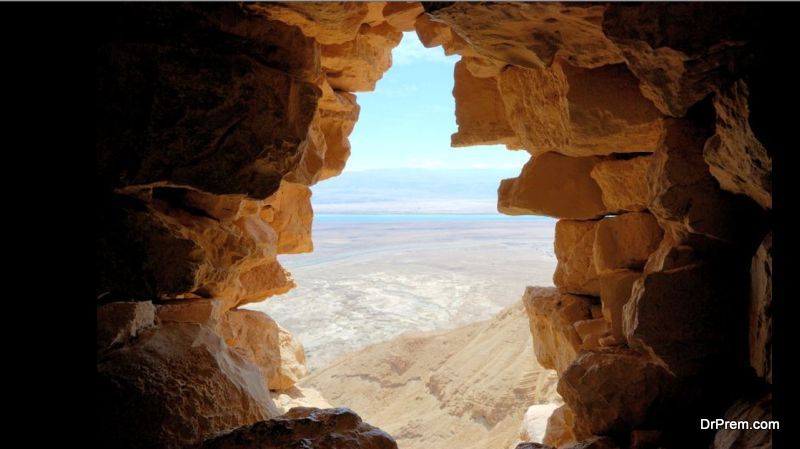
623,183
761,310
292,218
332,428
258,338
118,322
533,34
670,255
482,67
615,291
433,33
575,271
611,391
591,331
480,113
734,155
200,311
402,15
552,315
174,386
561,428
554,185
326,22
356,65
625,241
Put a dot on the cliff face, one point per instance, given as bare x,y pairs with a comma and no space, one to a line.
646,129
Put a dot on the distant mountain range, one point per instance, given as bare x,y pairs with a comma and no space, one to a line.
411,191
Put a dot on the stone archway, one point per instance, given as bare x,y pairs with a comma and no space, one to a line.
213,120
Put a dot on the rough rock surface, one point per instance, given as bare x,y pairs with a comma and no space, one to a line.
625,241
560,428
623,183
554,185
336,428
761,310
575,271
615,291
611,392
750,410
481,119
258,338
201,311
118,322
174,386
459,400
552,316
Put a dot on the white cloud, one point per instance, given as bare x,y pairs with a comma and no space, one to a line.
412,51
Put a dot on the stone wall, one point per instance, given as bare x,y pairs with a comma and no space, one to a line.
640,119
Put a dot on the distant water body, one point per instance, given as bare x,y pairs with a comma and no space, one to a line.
422,218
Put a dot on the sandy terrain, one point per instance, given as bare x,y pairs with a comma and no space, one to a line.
467,388
368,282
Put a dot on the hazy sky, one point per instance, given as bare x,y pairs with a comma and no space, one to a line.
407,121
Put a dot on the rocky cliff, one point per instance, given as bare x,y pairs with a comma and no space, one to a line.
649,137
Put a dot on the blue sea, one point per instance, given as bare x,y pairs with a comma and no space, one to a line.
424,218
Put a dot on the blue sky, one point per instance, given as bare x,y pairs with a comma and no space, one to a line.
407,121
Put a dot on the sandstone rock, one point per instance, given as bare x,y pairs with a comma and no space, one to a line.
625,241
480,113
555,341
118,322
259,339
534,423
611,392
575,272
761,310
336,428
623,183
561,428
296,396
734,155
356,65
591,331
665,308
338,114
670,255
615,291
433,33
174,386
482,67
326,22
402,15
687,200
200,311
291,218
533,34
553,185
187,106
594,443
680,53
749,410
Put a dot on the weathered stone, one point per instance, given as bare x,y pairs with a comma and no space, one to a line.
680,53
554,185
625,241
356,65
336,428
555,341
291,218
534,423
433,33
201,311
761,310
532,35
338,114
734,155
749,410
615,291
118,322
561,428
611,392
665,308
259,339
670,255
326,22
482,67
402,15
623,183
174,386
480,113
575,271
594,443
591,331
296,396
